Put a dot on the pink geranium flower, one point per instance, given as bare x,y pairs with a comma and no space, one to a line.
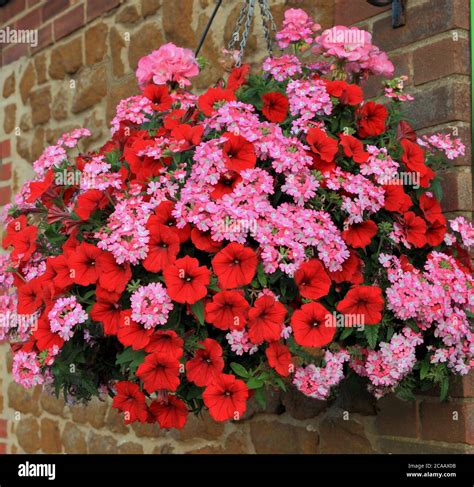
168,63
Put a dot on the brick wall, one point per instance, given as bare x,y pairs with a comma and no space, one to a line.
83,65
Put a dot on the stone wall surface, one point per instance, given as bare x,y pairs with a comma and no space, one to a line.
83,65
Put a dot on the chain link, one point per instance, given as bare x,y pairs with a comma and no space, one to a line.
247,13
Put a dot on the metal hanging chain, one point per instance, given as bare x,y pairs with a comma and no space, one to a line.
247,13
269,25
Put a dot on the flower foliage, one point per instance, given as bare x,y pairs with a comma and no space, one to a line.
278,230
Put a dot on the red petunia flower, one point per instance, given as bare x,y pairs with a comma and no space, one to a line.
214,98
167,342
163,214
227,311
235,265
431,208
359,235
351,270
107,310
58,268
186,281
371,119
192,135
313,325
163,247
23,240
238,77
414,159
353,148
226,398
44,338
203,241
159,96
365,302
239,153
396,199
413,155
132,334
207,363
348,94
30,296
414,229
435,232
279,358
38,188
275,106
226,184
113,277
159,371
83,264
171,413
323,147
131,401
90,201
266,319
312,280
16,226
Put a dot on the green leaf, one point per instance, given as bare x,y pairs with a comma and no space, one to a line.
130,359
279,382
371,334
260,397
198,310
346,333
444,388
261,276
425,368
239,369
254,383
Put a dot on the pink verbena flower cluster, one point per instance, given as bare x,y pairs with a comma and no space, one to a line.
126,235
65,315
316,382
388,365
151,305
438,297
451,147
26,369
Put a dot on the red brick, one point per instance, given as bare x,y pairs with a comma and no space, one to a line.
423,20
32,3
397,417
53,8
12,9
5,171
462,386
5,149
14,52
457,191
353,11
99,7
31,20
440,103
440,59
3,428
45,37
69,22
3,448
5,195
438,422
